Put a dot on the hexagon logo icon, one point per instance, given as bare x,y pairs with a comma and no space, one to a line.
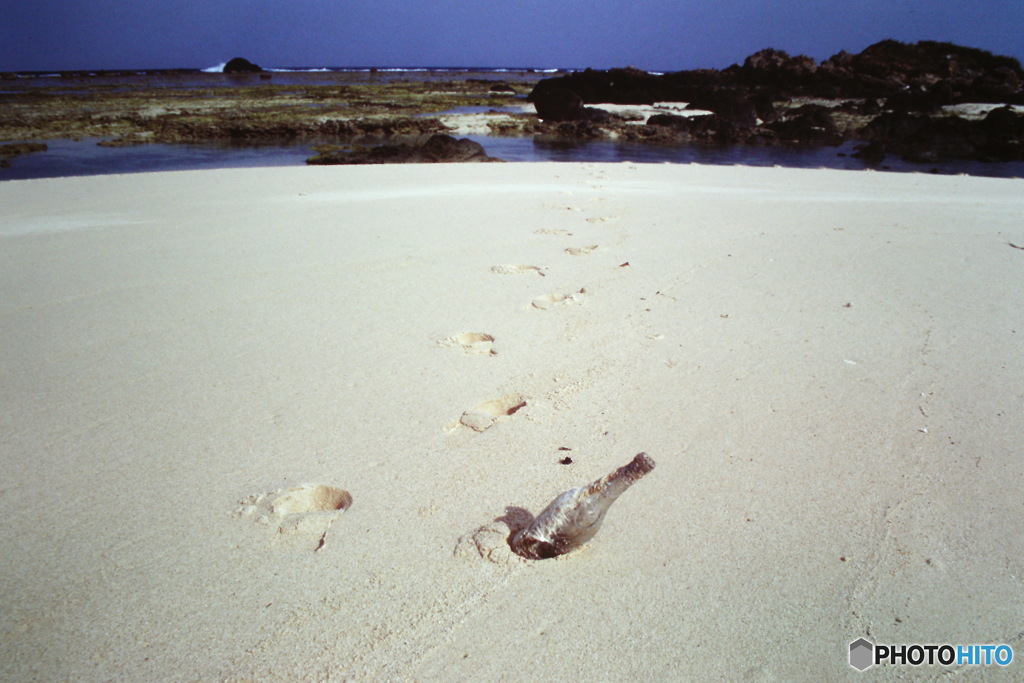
861,654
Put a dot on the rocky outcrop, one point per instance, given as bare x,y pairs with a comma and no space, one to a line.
772,67
561,104
904,84
917,137
240,65
733,105
615,86
437,149
811,124
558,104
948,73
239,126
17,149
707,128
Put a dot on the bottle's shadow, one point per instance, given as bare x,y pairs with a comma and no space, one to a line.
516,519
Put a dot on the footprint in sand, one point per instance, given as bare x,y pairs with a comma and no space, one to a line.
486,414
307,510
602,219
471,342
490,542
517,269
546,301
581,251
552,231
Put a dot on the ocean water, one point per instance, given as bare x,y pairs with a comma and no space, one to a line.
71,158
213,77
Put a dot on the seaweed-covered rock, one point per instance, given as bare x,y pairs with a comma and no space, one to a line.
437,149
8,152
502,87
708,128
18,148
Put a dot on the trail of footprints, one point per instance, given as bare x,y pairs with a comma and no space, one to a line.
489,542
306,512
485,415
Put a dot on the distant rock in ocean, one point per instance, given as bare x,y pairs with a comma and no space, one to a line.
240,65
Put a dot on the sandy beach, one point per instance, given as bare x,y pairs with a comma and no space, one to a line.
277,423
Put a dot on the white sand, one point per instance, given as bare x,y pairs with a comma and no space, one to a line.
826,366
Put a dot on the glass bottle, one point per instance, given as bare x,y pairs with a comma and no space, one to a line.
574,517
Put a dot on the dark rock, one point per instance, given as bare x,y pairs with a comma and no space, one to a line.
872,153
903,62
890,68
915,77
19,148
125,141
705,127
810,124
595,115
240,126
615,86
871,107
890,126
775,67
921,138
670,121
900,86
240,65
1002,84
1004,121
579,130
445,148
437,149
807,125
732,105
764,105
701,127
558,104
1003,130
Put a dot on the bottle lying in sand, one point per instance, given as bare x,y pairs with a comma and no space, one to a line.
574,517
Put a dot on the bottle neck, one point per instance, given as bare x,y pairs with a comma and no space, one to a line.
621,479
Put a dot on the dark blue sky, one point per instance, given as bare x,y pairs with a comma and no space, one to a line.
660,35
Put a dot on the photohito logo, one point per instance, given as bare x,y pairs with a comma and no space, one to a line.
864,654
